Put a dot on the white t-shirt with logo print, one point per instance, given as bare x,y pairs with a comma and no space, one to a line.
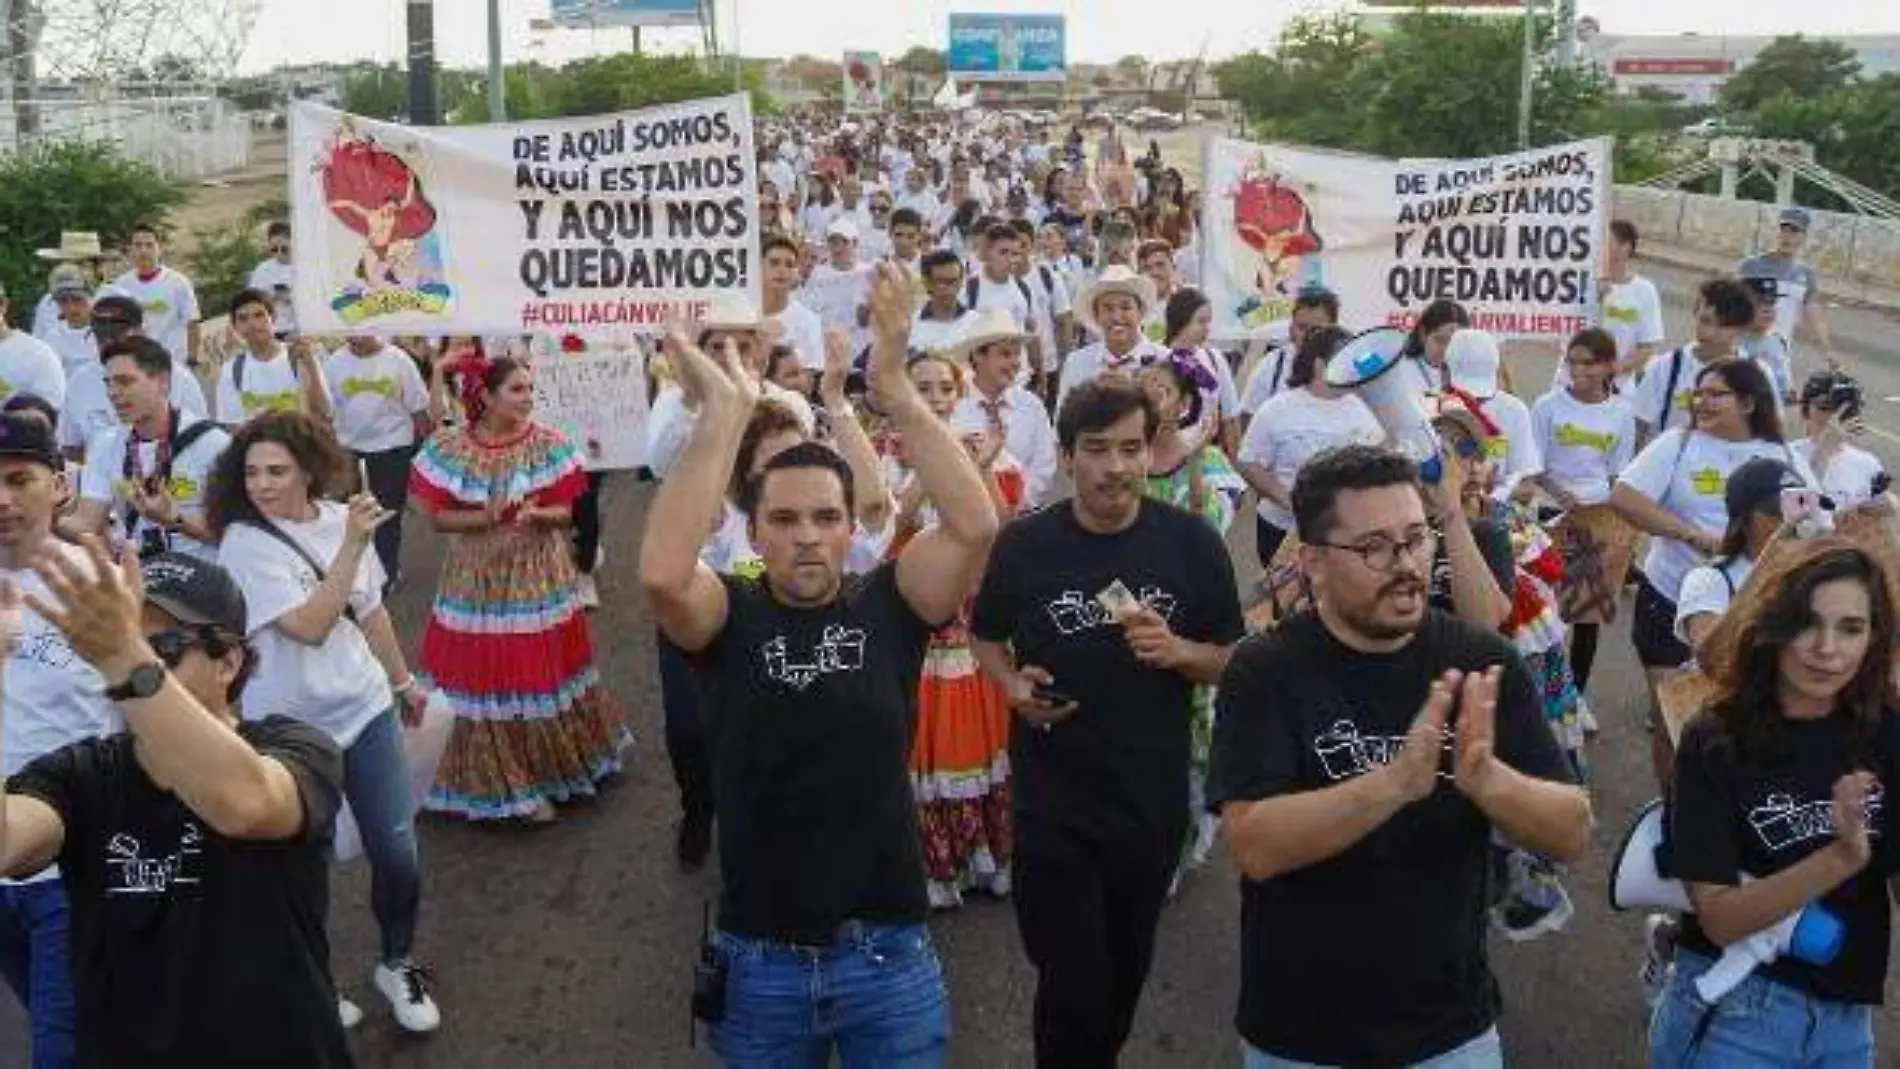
170,304
103,480
1686,472
376,398
269,386
1294,427
1585,445
88,412
336,686
1632,314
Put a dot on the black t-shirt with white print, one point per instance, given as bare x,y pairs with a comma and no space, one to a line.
1735,812
1374,957
1115,770
809,714
191,950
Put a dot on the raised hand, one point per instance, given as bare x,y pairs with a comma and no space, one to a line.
1475,762
1850,815
837,366
1416,768
366,514
721,385
97,604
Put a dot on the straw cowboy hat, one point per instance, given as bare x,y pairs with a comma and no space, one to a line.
1114,279
74,246
731,312
987,327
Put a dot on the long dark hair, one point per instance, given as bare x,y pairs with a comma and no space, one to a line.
1773,609
1182,307
308,441
1750,383
1319,346
1436,314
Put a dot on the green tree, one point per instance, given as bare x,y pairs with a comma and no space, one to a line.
71,185
1797,66
1853,129
222,258
1313,89
929,62
376,91
1445,86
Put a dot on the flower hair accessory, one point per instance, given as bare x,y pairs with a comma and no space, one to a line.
1193,370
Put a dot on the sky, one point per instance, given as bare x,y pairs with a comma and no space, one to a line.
298,31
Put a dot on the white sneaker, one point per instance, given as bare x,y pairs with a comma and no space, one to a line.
406,986
588,592
348,1012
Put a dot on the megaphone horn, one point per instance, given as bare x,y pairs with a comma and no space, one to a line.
1636,878
1368,365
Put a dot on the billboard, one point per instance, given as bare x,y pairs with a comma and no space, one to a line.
863,82
1007,48
1686,65
589,14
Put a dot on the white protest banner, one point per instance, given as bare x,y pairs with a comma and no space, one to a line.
595,393
863,83
588,226
1515,239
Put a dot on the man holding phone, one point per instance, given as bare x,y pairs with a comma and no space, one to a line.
1098,616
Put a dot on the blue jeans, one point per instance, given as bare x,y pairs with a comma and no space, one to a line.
1762,1024
35,958
876,993
1484,1052
376,782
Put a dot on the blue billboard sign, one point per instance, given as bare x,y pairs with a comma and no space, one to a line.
587,14
1007,48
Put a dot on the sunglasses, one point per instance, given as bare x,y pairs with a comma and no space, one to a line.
172,644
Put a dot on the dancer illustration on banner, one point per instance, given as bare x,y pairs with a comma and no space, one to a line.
1273,218
379,195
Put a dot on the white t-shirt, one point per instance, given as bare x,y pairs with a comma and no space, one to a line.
804,333
835,296
104,475
1632,314
1851,471
937,335
336,686
52,697
75,346
277,278
1515,448
1087,363
1013,295
171,306
269,386
1648,400
1585,446
1687,473
375,397
1294,427
88,413
1268,379
28,365
1709,589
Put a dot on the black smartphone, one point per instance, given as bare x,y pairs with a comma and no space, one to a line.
1051,696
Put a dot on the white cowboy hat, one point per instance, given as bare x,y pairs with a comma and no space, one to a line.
987,327
76,245
730,311
1114,279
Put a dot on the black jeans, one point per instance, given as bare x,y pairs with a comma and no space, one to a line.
1087,911
587,524
389,482
685,731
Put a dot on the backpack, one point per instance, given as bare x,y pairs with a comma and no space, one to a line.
1669,389
237,370
974,285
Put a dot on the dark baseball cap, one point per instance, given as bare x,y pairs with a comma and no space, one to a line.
27,436
1757,484
1764,287
194,591
120,308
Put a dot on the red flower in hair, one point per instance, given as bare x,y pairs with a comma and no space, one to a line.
573,344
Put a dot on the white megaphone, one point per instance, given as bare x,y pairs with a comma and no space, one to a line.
1368,364
1636,879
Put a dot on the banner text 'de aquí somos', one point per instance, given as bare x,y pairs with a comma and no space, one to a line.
1515,239
602,225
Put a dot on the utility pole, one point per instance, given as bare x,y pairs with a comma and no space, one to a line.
497,80
1527,82
422,106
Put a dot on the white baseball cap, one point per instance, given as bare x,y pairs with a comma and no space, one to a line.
1471,359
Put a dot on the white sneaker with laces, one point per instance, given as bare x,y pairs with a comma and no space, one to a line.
349,1013
406,986
588,592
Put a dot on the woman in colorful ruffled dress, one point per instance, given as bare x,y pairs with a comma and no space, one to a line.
959,756
1190,473
508,642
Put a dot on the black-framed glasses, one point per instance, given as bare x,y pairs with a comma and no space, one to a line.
1382,554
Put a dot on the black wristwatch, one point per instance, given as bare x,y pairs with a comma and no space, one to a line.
143,682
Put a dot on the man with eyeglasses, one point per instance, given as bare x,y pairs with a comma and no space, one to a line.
194,846
275,277
88,411
1364,754
940,322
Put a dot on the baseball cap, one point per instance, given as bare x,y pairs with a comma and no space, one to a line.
1796,217
27,437
842,228
1757,484
1472,360
194,591
1764,287
119,308
68,281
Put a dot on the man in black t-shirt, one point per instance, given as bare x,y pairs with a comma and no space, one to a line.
808,686
195,848
1098,616
1362,823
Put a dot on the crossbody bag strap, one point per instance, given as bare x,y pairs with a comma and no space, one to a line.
308,557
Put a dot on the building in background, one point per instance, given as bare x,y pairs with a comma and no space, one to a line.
1694,66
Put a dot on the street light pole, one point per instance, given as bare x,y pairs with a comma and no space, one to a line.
422,106
497,85
1527,79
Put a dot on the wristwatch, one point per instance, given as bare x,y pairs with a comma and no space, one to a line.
144,681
